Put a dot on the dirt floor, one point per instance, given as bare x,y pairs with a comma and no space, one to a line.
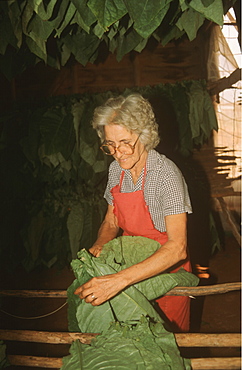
220,313
211,314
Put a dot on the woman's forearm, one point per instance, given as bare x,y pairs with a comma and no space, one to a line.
108,231
167,256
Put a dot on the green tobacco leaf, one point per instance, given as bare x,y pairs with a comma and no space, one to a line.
94,319
127,43
82,45
65,53
196,108
85,12
56,128
127,305
98,30
161,284
174,33
59,17
28,13
202,116
190,21
141,345
43,9
38,48
75,227
107,11
207,2
153,20
212,11
77,19
147,15
15,18
6,30
77,110
126,251
88,152
69,14
38,29
131,305
35,233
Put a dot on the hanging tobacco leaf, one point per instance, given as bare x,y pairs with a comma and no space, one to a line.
79,26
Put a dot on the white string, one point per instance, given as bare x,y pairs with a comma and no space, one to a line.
34,317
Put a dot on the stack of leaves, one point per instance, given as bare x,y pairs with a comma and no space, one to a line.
128,308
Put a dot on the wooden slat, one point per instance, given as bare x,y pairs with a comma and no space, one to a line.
183,291
223,363
183,339
45,337
208,340
197,363
35,361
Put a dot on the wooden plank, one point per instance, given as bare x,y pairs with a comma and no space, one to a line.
182,291
45,336
183,339
35,361
224,363
208,340
197,363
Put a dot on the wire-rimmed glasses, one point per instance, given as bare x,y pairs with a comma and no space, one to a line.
125,148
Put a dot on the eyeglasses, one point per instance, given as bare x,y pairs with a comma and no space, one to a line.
124,148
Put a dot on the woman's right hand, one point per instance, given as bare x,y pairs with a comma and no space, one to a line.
95,250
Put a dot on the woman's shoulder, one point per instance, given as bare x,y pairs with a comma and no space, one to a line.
114,172
157,161
114,166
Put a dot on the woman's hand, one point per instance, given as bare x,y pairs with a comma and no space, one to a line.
95,250
100,289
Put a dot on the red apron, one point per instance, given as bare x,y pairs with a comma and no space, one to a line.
134,218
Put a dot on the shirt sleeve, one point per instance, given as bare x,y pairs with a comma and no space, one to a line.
175,197
113,180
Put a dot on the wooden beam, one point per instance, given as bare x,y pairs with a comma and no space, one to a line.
224,83
197,363
230,219
182,291
45,336
183,339
224,363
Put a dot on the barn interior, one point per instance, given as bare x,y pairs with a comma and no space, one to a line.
58,61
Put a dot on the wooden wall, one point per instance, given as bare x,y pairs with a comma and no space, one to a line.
177,61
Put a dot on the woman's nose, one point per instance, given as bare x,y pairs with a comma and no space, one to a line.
118,154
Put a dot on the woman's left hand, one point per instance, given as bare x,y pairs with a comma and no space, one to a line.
100,289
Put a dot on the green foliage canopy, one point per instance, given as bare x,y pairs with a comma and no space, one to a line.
53,30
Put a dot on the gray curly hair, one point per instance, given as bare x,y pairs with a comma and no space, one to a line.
133,113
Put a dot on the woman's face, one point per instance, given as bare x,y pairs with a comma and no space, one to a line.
117,136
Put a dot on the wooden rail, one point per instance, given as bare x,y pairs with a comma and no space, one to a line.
183,339
196,363
181,291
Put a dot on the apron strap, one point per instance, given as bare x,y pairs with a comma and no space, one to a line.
143,180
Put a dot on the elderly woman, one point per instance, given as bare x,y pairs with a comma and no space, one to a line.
147,196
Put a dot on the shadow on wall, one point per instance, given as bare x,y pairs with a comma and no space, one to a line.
199,238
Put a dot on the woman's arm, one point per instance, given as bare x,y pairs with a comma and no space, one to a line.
172,252
108,231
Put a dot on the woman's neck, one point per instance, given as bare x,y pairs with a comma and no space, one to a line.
138,167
